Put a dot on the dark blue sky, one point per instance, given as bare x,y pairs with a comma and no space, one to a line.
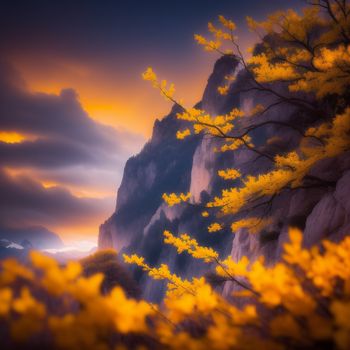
95,28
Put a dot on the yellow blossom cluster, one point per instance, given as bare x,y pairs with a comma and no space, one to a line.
234,144
173,198
185,243
165,90
325,270
214,227
229,174
180,135
228,267
251,224
176,286
267,72
233,199
223,90
330,76
203,122
228,24
220,35
308,62
209,45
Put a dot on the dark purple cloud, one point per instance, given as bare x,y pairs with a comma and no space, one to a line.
24,202
68,147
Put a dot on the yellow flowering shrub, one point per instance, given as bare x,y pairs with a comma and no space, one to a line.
57,307
301,302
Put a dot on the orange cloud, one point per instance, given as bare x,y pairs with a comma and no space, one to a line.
75,227
47,183
78,192
117,98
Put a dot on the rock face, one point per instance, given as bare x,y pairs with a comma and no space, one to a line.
164,165
169,165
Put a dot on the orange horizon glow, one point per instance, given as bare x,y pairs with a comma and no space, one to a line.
121,102
46,183
77,192
76,233
70,232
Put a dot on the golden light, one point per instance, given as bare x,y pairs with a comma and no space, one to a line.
117,99
78,191
49,184
11,137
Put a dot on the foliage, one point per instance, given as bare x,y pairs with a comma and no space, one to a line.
308,53
44,304
301,302
114,274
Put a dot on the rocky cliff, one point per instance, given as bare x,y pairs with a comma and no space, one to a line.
168,165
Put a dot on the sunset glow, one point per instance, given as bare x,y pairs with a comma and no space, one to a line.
106,100
11,137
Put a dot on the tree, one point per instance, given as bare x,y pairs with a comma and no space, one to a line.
293,304
303,61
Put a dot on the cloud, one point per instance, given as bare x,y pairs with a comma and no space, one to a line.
58,121
64,146
24,202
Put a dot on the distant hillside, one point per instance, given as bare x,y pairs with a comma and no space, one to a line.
32,237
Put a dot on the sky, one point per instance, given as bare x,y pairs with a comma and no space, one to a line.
73,106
